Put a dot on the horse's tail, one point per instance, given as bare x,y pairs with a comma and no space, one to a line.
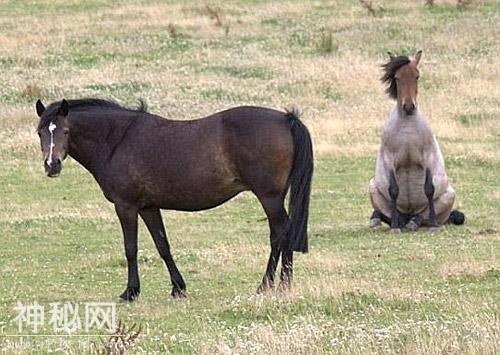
456,217
300,184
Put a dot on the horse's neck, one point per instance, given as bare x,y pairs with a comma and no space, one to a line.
399,121
90,138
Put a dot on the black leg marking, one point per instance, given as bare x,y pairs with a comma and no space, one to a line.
429,192
393,193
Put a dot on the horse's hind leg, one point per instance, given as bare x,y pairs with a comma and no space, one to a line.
381,207
377,218
286,269
277,218
154,222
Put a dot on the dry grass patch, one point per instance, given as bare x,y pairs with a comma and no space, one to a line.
467,267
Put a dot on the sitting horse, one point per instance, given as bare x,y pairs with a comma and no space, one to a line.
144,163
410,187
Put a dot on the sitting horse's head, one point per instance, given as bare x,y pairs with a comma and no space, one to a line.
53,131
401,74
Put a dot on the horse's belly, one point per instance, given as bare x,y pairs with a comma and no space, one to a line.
197,197
411,198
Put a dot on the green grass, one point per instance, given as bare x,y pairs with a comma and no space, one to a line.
358,290
391,287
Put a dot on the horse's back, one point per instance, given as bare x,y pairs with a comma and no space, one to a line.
199,164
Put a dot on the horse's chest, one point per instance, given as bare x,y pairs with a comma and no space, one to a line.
408,159
407,151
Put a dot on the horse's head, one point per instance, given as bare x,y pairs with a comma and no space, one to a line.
53,131
401,74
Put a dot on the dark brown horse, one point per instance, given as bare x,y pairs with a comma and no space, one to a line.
144,163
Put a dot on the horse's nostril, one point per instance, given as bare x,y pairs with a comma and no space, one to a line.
53,164
409,109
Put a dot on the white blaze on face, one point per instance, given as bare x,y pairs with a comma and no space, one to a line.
52,128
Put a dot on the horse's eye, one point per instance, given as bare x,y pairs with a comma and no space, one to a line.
66,132
418,77
38,132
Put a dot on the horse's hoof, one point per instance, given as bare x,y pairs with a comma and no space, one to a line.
375,222
177,293
395,230
265,287
412,225
130,294
285,286
434,229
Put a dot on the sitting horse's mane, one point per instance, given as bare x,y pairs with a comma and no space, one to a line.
390,69
86,104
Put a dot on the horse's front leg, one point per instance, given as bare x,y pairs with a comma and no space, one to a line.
128,221
393,193
429,192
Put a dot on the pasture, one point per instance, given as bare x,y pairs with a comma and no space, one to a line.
357,290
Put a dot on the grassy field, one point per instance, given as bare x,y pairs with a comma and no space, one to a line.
357,291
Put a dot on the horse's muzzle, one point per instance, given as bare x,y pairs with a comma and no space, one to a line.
54,168
409,109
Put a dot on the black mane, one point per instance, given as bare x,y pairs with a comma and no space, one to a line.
86,104
390,69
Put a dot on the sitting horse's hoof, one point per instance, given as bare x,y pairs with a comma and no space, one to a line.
434,229
178,293
412,225
395,230
130,294
375,222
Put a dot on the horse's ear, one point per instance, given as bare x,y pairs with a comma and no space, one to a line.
417,57
63,110
391,56
40,108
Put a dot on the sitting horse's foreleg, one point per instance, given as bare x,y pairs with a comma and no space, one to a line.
154,222
278,220
443,206
128,221
393,193
429,192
